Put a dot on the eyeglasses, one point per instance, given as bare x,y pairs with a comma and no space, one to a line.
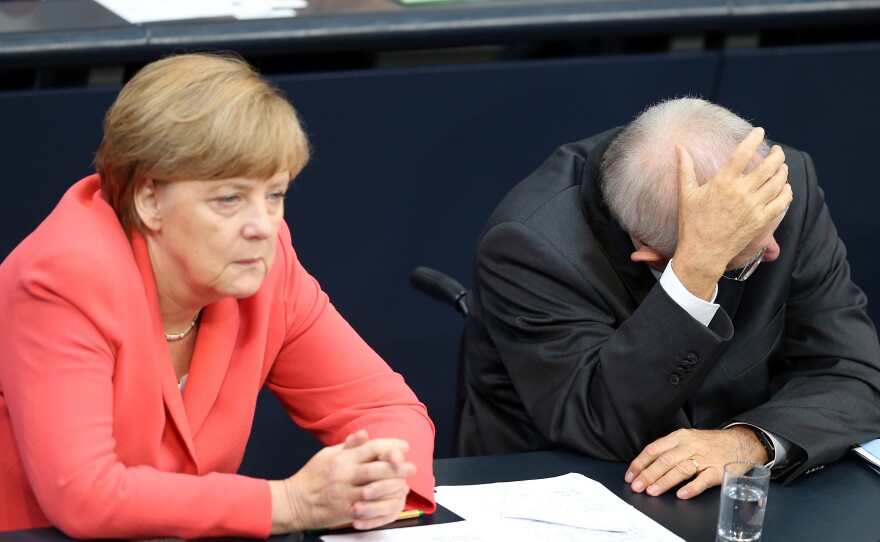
740,274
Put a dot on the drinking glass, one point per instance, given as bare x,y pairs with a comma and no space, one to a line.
743,501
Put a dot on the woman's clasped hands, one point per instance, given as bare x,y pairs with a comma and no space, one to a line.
361,481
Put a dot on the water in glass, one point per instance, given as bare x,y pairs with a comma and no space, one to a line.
742,513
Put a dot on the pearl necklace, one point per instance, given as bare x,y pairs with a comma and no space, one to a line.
174,337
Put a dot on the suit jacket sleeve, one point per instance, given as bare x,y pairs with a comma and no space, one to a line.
333,384
826,392
589,382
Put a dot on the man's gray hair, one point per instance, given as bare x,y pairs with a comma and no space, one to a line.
639,170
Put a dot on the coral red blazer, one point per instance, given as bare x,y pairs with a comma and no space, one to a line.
95,436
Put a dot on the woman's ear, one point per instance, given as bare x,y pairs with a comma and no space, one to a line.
146,204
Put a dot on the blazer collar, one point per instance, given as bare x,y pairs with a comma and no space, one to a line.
614,241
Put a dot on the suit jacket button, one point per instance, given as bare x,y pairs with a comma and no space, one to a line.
691,358
674,380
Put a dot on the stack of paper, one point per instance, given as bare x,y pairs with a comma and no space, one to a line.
138,11
570,507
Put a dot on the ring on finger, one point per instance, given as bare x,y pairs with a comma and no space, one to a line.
696,465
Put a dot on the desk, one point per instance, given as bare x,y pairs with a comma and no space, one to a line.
839,502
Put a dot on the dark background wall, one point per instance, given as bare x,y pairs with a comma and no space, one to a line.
409,162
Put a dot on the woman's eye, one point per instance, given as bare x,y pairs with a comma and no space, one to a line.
277,196
228,200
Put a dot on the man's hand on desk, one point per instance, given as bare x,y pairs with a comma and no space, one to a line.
699,455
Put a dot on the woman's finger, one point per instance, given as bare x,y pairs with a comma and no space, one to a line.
383,489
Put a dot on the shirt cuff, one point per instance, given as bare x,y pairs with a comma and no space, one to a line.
701,310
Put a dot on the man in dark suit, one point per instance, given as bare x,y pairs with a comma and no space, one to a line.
618,308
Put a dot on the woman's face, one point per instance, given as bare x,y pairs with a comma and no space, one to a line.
215,238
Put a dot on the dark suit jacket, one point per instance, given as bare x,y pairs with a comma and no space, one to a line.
571,345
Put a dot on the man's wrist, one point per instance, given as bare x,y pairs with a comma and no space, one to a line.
762,446
698,278
766,443
700,309
753,449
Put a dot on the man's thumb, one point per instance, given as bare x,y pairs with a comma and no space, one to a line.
687,178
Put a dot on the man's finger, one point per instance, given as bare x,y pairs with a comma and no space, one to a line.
649,455
774,185
681,471
710,477
764,171
665,466
780,203
741,156
687,178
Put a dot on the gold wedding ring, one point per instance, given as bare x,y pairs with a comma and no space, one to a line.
696,465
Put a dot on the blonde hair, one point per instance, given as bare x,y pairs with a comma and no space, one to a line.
195,116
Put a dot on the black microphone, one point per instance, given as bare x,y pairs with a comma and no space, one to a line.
440,286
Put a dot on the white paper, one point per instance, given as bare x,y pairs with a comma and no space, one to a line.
566,501
139,11
598,514
507,530
459,531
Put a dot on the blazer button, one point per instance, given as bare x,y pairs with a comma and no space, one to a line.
691,358
674,380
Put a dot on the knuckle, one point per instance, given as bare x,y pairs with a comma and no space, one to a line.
667,461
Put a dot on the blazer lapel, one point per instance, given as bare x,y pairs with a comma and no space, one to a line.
218,329
170,390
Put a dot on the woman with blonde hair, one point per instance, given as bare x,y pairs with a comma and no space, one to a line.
142,317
